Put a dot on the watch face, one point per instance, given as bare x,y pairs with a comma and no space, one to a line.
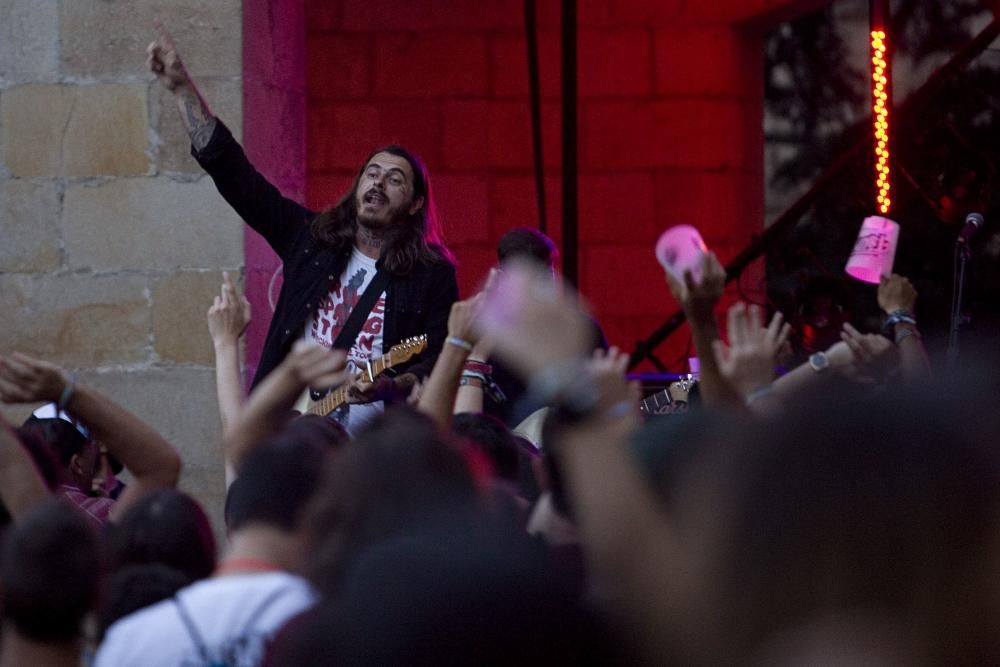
819,362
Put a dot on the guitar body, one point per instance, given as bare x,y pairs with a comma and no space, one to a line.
337,396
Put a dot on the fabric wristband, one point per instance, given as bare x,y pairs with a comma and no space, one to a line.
899,316
67,392
458,342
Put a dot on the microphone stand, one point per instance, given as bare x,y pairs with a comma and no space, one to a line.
962,254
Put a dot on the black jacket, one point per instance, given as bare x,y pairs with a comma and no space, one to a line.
416,303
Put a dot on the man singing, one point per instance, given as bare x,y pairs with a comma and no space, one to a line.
387,224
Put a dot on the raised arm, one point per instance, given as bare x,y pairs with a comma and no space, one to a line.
165,62
698,300
898,299
21,487
307,365
628,539
438,396
748,361
153,461
259,203
228,318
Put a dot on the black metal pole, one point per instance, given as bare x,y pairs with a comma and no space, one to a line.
569,143
534,85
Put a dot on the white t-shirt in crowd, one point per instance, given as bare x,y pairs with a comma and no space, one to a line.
329,319
230,621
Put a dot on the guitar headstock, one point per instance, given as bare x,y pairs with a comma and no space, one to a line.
407,349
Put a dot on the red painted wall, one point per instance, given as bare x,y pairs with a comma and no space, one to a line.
670,125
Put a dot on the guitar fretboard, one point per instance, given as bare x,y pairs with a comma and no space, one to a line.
396,355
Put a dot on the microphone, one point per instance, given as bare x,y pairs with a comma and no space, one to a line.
973,223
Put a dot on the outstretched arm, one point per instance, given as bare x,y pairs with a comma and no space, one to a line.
164,61
21,487
153,461
438,396
307,365
259,203
228,318
897,297
698,300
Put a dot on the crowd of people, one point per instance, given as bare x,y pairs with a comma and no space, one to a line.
497,498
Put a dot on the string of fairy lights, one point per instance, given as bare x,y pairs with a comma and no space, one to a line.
880,100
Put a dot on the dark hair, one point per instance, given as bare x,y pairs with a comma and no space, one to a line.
398,472
51,573
45,460
275,483
418,240
166,527
315,428
891,510
136,587
58,435
527,243
450,593
492,438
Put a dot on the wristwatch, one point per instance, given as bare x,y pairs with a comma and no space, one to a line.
819,362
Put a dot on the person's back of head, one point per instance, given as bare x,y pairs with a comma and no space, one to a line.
276,482
51,573
315,428
33,437
450,593
850,506
491,437
527,244
60,438
398,472
135,587
169,528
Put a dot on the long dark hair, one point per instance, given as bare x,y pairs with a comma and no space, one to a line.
417,241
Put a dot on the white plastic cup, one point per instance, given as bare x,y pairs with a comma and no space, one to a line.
875,250
680,249
694,366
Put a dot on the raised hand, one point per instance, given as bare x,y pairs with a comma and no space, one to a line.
533,321
461,319
316,366
874,356
163,60
703,294
229,315
617,395
24,379
748,362
896,293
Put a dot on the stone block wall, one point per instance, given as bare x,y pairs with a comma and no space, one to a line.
112,241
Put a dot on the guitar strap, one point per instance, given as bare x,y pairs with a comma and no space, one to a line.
356,320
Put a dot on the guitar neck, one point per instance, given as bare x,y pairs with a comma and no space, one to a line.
338,396
651,404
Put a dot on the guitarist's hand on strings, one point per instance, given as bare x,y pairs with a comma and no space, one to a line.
366,392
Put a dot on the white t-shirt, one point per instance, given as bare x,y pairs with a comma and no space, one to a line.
233,617
329,319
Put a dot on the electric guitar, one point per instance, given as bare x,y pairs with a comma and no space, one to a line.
396,355
669,401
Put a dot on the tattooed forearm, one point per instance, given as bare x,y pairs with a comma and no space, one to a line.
198,120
